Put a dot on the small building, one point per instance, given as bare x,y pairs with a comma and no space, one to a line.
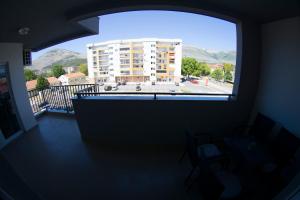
72,78
53,81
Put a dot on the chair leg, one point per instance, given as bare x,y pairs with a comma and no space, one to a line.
192,181
182,156
189,186
189,176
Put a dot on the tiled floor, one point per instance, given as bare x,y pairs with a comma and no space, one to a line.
56,163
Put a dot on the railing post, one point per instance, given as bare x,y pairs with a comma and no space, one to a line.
44,101
65,99
154,96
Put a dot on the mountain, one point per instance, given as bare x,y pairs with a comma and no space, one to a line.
68,58
62,57
207,56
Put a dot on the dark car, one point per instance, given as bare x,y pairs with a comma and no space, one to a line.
107,88
138,88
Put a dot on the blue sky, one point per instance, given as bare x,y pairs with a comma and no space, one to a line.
196,30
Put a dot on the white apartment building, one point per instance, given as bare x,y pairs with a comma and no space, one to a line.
135,60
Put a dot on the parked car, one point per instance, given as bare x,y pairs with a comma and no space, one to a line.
107,88
118,83
114,88
194,81
138,88
123,82
153,83
172,91
176,83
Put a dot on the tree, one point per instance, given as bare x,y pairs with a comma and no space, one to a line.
42,83
217,74
228,76
204,69
190,66
57,71
29,75
83,69
227,67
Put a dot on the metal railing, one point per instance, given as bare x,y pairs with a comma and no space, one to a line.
81,94
57,98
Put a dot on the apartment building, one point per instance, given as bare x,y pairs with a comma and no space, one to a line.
135,60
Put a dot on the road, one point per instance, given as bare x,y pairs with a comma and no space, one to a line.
185,87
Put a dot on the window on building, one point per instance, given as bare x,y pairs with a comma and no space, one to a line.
125,49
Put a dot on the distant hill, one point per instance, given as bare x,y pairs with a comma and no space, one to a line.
62,57
69,58
209,57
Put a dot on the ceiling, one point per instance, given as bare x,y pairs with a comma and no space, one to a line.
55,21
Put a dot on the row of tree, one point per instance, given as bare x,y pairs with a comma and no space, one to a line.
56,71
191,67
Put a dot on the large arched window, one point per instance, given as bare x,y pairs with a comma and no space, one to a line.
152,51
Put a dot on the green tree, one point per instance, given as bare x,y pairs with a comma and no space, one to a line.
204,68
29,75
228,67
227,76
217,74
42,83
190,66
83,69
57,71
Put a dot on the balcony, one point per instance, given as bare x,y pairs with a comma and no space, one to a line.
53,158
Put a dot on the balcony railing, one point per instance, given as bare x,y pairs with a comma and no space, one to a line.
57,98
155,95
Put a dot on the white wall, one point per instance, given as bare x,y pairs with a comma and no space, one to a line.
279,92
12,53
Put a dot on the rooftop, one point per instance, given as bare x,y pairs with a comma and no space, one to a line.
30,85
74,75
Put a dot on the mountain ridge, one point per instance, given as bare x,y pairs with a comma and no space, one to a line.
69,58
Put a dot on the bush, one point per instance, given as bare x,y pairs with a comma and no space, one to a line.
217,74
228,76
29,75
42,83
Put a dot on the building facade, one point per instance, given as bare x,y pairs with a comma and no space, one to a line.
135,60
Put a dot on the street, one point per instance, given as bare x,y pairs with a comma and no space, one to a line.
185,87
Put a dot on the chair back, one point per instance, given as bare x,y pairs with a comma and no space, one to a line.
285,146
262,128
